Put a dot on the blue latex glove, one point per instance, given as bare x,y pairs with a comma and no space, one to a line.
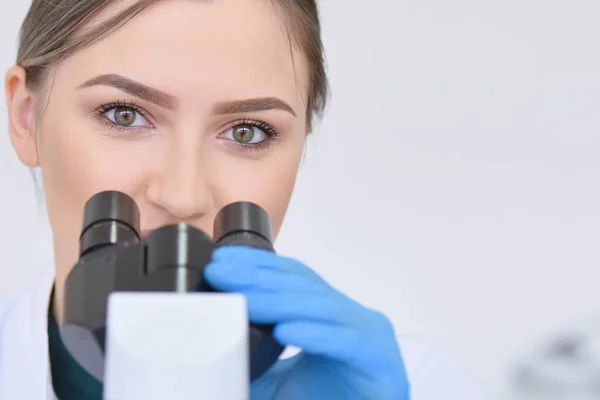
349,351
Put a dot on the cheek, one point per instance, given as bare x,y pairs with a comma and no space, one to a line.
268,182
76,164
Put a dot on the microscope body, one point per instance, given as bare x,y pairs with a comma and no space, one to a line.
167,264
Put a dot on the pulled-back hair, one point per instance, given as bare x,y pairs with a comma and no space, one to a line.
54,30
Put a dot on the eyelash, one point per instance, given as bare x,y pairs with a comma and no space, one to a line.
270,132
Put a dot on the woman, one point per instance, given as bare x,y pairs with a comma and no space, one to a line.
187,106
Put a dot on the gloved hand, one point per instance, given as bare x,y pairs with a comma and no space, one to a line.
348,351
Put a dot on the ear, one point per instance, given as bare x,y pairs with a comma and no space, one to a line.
21,106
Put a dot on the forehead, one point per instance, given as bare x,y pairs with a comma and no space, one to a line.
193,47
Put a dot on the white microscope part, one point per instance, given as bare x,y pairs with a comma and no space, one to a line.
176,346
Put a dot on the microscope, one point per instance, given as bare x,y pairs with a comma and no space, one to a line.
139,317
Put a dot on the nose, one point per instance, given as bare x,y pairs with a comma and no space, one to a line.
181,185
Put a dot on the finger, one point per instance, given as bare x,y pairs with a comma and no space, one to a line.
324,307
263,259
246,279
234,268
236,277
242,253
274,296
373,355
338,342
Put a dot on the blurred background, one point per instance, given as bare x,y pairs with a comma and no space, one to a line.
453,184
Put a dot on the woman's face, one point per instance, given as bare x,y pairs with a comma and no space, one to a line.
188,107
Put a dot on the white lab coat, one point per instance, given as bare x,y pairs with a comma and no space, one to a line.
25,364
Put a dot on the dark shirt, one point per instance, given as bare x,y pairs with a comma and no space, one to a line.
70,381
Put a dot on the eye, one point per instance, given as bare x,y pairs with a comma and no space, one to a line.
246,134
126,117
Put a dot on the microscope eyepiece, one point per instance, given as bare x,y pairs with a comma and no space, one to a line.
109,217
243,223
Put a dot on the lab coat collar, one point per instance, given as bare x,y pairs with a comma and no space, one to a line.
24,357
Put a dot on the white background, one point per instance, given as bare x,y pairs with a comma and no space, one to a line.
453,183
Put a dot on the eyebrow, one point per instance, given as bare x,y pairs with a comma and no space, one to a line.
252,105
165,100
134,88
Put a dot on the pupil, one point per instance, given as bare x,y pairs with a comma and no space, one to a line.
244,133
125,116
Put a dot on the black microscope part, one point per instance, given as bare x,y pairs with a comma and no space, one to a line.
242,217
170,259
108,218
